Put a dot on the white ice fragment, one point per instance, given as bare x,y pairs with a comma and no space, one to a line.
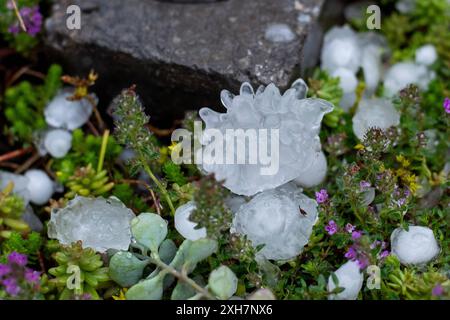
426,55
279,32
415,246
40,186
316,174
375,112
99,223
341,50
66,114
290,139
368,196
185,226
347,79
281,219
234,202
20,184
405,6
350,278
404,73
32,220
58,142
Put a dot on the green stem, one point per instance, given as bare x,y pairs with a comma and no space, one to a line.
182,277
101,159
160,186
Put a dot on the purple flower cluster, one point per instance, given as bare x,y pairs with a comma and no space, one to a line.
446,105
322,196
15,276
363,254
331,228
32,19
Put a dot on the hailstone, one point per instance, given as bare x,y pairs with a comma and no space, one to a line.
294,118
415,246
20,184
58,142
66,114
281,219
426,55
279,32
350,278
40,186
341,49
99,223
316,174
403,73
375,112
185,226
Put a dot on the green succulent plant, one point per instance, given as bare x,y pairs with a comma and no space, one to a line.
79,271
11,210
86,181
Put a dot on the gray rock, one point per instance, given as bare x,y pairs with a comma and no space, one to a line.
182,55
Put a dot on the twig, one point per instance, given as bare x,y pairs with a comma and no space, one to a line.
22,71
93,128
28,163
145,185
19,16
98,117
9,165
15,154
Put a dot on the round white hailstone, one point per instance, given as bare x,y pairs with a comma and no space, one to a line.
347,79
281,219
415,246
316,174
404,73
405,6
185,226
347,101
70,115
371,65
371,113
279,32
40,186
341,50
426,55
350,278
20,184
58,142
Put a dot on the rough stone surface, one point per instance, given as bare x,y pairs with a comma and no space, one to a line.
187,52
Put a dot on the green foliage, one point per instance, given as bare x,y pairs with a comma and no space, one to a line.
79,271
323,86
25,103
87,182
11,210
29,245
21,42
85,152
173,173
150,231
211,211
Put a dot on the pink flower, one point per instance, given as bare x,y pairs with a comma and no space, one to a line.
349,228
356,235
18,258
351,253
32,19
322,196
32,276
384,254
446,105
331,228
11,287
4,269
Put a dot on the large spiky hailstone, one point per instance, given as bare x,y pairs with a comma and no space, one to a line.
99,223
292,125
67,114
415,246
281,219
350,278
377,112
